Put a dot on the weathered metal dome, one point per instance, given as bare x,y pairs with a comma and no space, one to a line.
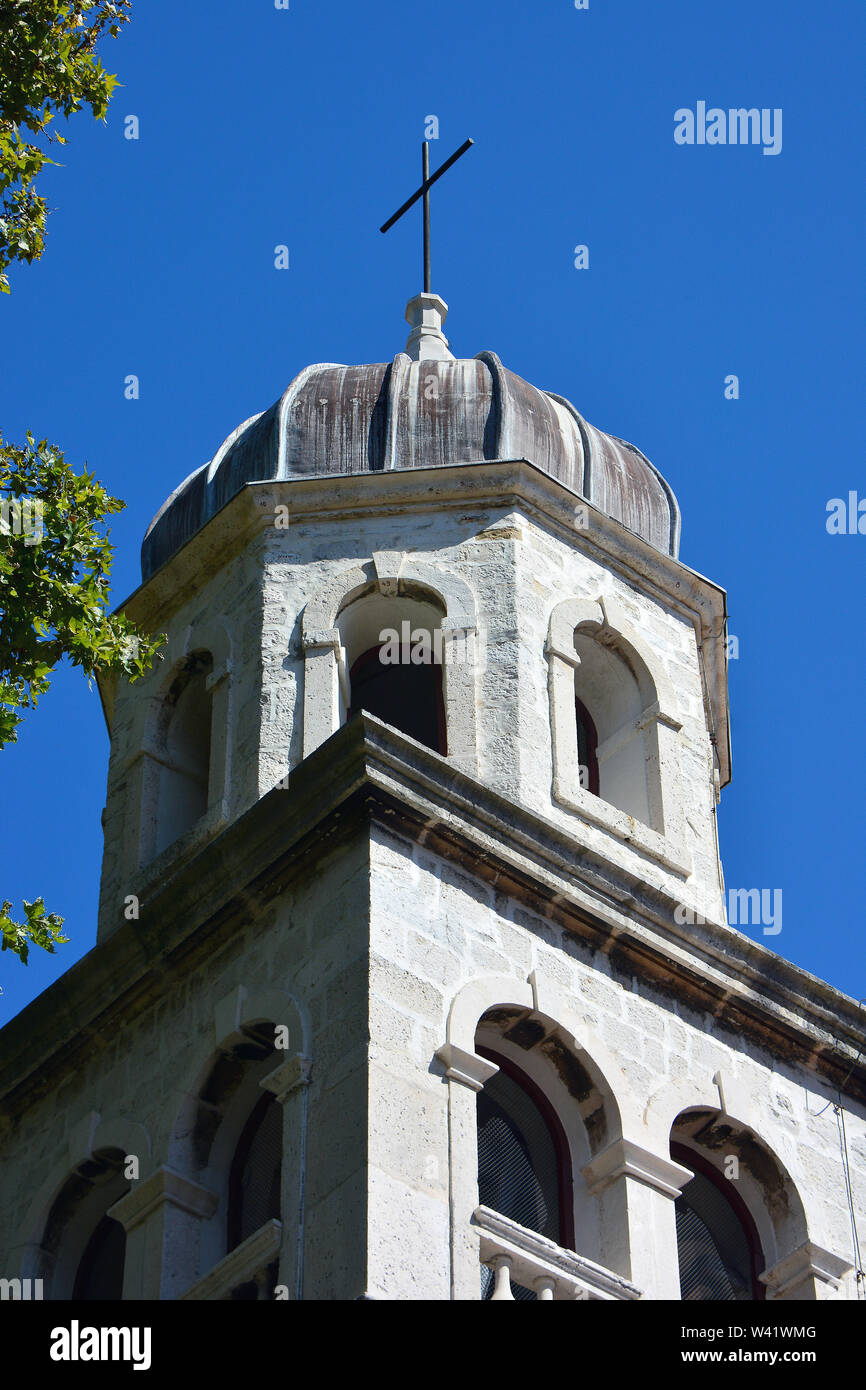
424,413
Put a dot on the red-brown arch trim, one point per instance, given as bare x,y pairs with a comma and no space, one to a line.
690,1158
565,1183
584,716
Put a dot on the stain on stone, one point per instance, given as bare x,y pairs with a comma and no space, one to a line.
719,1136
527,1032
596,1129
574,1076
224,1077
502,1017
205,1125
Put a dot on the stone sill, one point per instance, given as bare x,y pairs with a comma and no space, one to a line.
533,1257
241,1265
633,833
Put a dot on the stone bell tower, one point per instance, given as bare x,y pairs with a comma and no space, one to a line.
413,977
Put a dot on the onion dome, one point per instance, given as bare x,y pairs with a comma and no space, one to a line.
426,409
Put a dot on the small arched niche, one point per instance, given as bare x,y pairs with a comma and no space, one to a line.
182,748
614,729
394,656
431,614
609,705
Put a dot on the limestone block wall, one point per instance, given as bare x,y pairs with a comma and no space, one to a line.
222,615
148,1084
444,950
514,574
382,962
517,573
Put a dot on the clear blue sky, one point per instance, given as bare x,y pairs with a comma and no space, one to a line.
260,127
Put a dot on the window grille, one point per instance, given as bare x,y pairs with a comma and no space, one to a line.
715,1255
518,1170
254,1185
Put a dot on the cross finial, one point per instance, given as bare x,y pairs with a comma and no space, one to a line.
424,192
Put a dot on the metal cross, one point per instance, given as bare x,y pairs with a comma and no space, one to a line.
424,192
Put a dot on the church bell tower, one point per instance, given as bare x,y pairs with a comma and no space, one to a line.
413,976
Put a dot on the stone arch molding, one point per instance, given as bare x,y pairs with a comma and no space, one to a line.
546,1002
238,1010
90,1136
203,1133
723,1117
659,722
326,679
620,1184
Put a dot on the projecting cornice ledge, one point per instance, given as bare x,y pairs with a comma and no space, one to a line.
623,1159
365,774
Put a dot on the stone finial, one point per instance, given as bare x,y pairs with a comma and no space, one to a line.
427,343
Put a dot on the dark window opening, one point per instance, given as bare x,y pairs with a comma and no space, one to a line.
522,1161
717,1242
587,748
100,1270
254,1180
405,695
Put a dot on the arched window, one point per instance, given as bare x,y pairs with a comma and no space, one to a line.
83,1248
385,681
608,706
255,1184
603,676
255,1181
100,1270
717,1242
184,739
522,1167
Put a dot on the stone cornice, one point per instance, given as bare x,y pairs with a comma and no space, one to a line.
807,1262
368,773
239,1266
163,1186
624,1159
288,1077
466,1067
497,483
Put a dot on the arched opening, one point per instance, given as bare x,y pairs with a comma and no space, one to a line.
82,1248
100,1270
718,1246
254,1180
611,745
395,654
183,750
407,696
229,1138
523,1164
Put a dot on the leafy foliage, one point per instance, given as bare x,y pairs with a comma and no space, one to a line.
54,589
48,67
42,930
